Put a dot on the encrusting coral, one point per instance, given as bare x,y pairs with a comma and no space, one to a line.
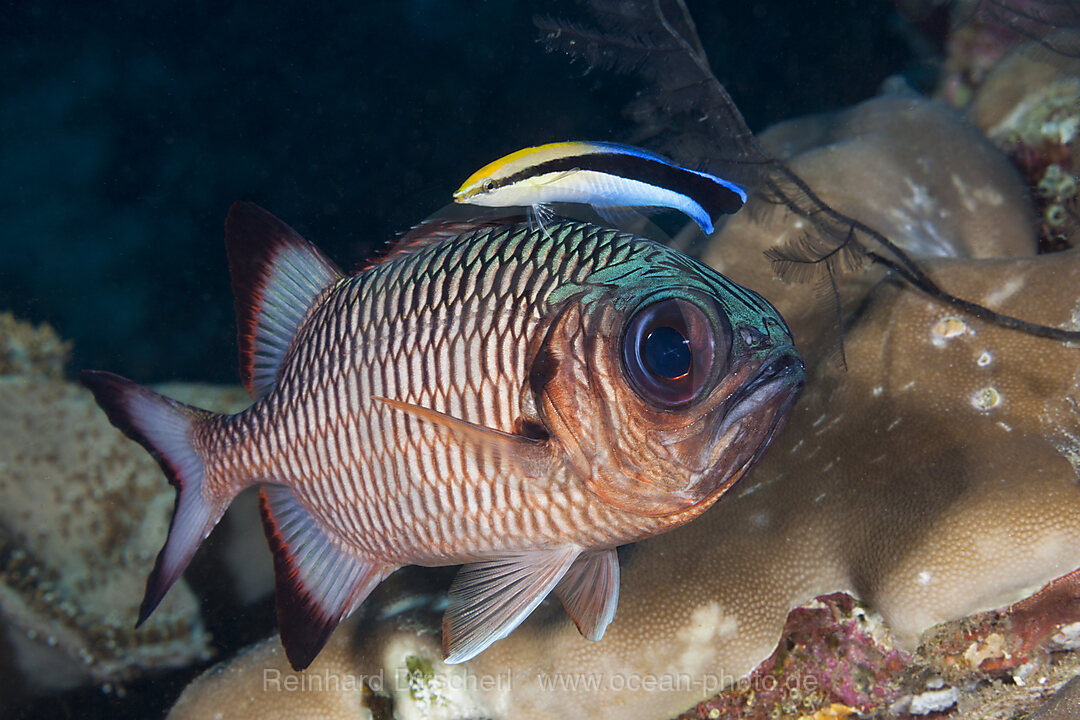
84,510
935,477
1029,106
27,349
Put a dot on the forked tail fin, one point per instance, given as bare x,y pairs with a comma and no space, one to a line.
164,427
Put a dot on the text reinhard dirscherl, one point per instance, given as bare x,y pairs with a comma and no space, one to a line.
463,679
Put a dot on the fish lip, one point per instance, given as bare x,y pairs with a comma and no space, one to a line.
737,445
778,382
784,364
785,369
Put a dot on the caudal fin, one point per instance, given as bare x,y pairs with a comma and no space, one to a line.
164,428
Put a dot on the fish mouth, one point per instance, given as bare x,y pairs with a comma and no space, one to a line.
754,415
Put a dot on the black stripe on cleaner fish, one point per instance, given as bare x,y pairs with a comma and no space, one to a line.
608,176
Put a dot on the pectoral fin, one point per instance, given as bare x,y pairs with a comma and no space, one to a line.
541,215
489,599
533,458
554,177
590,592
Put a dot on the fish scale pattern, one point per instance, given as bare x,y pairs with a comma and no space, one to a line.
448,328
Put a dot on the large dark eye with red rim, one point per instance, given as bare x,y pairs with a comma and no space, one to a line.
670,348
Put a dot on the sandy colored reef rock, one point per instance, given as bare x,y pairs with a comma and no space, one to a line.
84,512
934,478
31,350
1029,106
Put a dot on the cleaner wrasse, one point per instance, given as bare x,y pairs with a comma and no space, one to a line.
608,176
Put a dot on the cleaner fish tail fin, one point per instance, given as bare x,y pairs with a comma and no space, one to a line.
164,427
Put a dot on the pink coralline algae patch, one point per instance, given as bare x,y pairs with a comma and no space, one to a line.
832,662
829,664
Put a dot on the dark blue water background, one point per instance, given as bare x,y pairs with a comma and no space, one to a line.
128,128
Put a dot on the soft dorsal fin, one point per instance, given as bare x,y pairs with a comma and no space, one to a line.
431,231
276,275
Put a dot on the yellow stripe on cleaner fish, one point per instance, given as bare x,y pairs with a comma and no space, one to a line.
604,175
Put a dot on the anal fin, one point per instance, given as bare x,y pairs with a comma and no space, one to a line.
318,584
489,599
590,592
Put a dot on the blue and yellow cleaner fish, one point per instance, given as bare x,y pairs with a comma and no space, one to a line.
607,176
517,401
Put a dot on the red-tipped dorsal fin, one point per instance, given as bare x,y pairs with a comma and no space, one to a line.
318,582
432,231
276,276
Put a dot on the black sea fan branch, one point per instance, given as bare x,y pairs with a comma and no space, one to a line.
837,248
681,100
686,113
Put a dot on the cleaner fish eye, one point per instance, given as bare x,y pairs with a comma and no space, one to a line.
672,350
608,176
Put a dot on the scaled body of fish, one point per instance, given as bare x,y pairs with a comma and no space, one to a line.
520,401
608,176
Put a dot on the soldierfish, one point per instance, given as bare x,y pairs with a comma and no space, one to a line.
519,401
608,176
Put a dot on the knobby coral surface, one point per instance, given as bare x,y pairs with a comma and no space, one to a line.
27,349
934,478
85,511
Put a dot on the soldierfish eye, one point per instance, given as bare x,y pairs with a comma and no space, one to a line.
669,350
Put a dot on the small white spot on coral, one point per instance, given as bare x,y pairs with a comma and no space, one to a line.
819,420
759,519
934,701
749,489
985,399
908,386
707,624
988,195
893,424
1006,291
1067,637
877,391
920,197
984,359
946,329
965,195
1004,426
923,578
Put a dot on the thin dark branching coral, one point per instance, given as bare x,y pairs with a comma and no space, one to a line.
686,113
